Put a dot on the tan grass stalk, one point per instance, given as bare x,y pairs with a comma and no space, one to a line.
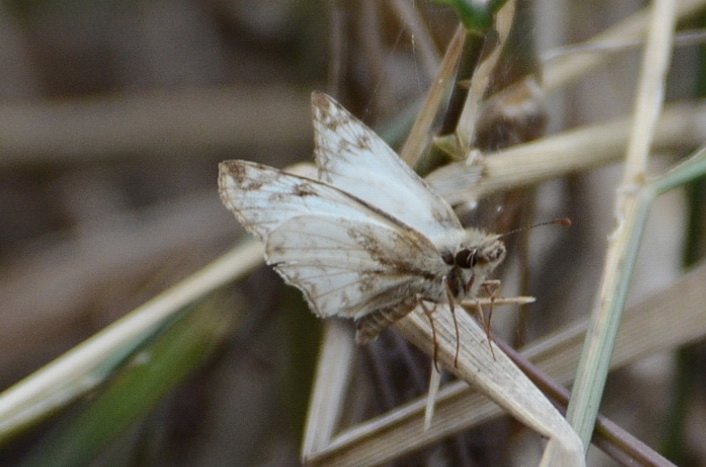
630,216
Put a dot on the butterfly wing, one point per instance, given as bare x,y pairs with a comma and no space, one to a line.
262,198
353,158
347,257
351,267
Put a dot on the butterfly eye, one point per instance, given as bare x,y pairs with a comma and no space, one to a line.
465,258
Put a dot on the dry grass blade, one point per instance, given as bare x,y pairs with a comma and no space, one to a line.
498,377
568,68
466,126
434,385
471,306
149,124
571,151
619,444
331,381
420,135
495,375
671,318
630,217
78,370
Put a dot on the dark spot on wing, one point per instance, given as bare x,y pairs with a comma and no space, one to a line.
251,185
250,176
319,100
237,171
304,189
323,109
363,142
367,282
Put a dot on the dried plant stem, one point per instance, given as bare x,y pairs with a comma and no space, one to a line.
632,204
419,136
150,125
668,319
497,377
568,68
465,128
333,373
617,46
570,151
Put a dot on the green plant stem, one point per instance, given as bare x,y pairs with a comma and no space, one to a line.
684,383
692,168
137,388
86,365
604,323
603,327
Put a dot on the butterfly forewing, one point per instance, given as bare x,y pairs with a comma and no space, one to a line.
356,160
262,198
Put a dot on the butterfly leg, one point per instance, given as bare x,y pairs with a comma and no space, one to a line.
429,313
485,324
452,306
490,287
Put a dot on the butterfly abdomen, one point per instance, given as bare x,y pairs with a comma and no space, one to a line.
369,326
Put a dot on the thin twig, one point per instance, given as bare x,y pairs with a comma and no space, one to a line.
617,46
568,68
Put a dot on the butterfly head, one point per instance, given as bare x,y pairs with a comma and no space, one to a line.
485,255
471,261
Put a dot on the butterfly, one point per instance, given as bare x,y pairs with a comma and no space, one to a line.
367,238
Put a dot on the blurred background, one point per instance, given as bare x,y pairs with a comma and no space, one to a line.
113,118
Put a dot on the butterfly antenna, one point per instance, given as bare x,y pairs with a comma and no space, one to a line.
565,221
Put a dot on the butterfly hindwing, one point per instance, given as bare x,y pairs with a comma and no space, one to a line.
349,267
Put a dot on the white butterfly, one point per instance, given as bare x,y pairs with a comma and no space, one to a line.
367,239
